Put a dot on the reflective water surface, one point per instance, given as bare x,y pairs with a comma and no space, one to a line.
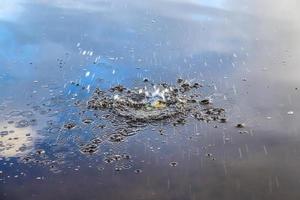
54,54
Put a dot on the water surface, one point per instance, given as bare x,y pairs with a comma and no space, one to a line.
244,53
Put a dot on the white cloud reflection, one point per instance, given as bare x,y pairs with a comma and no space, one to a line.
15,142
10,10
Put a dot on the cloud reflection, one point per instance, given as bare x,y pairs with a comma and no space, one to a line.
15,142
10,10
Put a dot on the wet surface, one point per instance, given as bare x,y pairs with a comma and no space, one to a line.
243,57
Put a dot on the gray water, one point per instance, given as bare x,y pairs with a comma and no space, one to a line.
53,54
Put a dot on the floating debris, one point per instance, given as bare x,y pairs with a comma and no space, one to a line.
113,115
138,171
3,133
173,164
40,151
126,156
243,132
209,155
91,147
209,114
70,125
118,88
127,111
22,124
87,121
240,125
109,160
223,120
161,102
116,157
205,102
116,137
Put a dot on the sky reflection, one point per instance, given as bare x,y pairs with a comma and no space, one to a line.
245,53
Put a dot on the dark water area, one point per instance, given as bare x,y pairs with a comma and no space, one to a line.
54,54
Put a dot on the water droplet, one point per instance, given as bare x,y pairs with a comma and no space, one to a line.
118,169
290,112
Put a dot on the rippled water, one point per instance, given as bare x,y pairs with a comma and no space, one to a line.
54,54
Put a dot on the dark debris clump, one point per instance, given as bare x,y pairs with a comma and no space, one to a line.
126,111
91,147
156,103
69,125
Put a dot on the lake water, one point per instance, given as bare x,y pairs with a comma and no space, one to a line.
55,53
